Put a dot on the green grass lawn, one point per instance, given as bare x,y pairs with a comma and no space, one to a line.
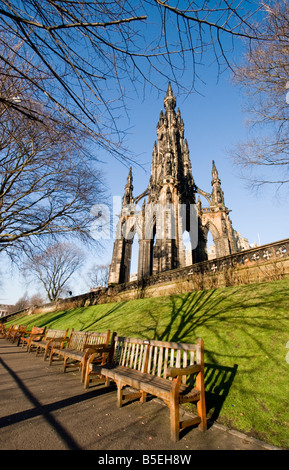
245,330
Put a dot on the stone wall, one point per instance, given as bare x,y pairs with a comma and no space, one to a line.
263,263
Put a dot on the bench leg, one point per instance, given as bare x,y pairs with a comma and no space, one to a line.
119,394
82,371
201,408
51,357
175,419
174,409
143,397
201,405
45,354
86,377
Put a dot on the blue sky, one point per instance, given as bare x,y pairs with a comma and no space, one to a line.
214,123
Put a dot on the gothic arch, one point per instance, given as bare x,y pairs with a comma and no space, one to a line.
130,226
210,227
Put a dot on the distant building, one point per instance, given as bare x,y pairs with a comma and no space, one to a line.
241,243
5,310
211,252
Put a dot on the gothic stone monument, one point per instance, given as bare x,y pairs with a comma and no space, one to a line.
169,209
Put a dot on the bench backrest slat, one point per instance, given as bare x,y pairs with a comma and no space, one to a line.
155,357
77,340
51,334
37,330
130,353
94,338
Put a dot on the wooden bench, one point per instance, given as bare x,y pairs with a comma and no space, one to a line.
35,334
4,330
171,371
11,330
79,346
16,332
50,338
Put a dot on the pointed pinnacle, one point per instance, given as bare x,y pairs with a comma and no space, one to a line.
169,90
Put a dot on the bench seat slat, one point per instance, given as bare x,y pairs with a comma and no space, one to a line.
71,353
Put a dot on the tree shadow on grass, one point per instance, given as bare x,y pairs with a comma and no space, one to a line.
218,381
185,314
84,323
244,312
211,312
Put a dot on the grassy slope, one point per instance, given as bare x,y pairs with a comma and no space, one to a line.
245,330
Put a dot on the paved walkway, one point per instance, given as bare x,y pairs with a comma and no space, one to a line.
44,409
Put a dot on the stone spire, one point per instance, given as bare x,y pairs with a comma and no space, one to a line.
171,162
217,196
170,104
215,174
128,189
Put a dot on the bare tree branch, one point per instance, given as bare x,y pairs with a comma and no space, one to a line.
95,51
264,77
48,182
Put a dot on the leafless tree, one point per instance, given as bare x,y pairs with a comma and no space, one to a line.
98,275
22,303
36,299
25,301
264,76
48,181
54,267
97,53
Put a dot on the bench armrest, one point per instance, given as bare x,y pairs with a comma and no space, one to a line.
52,341
94,347
174,371
43,335
96,355
24,333
60,338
